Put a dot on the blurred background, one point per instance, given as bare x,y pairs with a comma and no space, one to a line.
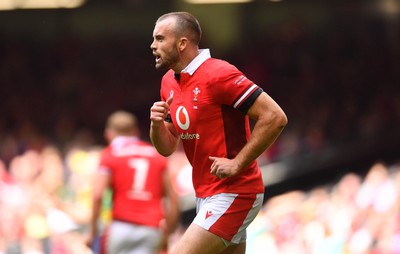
333,66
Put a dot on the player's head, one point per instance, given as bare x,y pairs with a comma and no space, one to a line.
121,123
186,25
175,33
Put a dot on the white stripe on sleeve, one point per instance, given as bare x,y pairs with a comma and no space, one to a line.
254,86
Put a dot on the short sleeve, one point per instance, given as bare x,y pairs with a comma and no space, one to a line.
231,87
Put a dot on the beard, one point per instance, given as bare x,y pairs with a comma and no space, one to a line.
167,61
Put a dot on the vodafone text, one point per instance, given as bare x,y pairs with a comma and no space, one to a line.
190,135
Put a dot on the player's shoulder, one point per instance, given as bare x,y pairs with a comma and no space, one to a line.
106,150
218,69
217,64
106,155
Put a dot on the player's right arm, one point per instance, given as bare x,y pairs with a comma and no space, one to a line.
172,210
162,134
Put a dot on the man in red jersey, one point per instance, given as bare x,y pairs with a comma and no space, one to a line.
137,175
207,103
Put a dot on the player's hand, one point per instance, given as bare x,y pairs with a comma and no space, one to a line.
223,167
159,111
163,246
88,240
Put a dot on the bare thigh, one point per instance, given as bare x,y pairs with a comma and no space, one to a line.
197,240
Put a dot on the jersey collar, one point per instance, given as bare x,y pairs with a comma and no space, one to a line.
121,140
196,62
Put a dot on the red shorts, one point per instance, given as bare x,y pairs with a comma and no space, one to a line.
228,215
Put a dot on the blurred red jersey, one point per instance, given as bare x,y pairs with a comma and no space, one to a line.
211,99
137,172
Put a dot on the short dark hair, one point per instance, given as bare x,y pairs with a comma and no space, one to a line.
186,24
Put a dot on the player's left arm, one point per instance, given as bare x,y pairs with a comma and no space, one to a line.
270,120
102,182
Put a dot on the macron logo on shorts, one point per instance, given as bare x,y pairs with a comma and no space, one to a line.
208,214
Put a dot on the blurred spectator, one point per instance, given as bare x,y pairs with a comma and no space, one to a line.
34,217
354,215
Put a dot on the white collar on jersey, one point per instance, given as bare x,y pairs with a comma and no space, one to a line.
197,61
121,140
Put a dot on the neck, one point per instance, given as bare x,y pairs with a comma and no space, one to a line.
186,59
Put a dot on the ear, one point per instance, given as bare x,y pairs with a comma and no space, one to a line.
108,135
136,132
182,43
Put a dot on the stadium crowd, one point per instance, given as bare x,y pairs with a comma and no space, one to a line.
45,203
337,86
355,215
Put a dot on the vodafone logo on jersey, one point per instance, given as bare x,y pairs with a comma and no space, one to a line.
182,118
183,121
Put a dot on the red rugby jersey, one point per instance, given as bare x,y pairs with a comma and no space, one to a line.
209,112
136,170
